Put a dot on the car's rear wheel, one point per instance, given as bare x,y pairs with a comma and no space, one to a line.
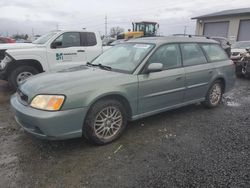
238,71
20,74
105,122
245,72
214,95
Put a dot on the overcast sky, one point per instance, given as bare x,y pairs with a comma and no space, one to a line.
41,16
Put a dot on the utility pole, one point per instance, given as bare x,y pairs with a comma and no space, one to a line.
57,26
106,25
32,32
185,30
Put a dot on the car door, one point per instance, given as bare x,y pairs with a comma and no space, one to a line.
66,50
160,90
198,72
91,46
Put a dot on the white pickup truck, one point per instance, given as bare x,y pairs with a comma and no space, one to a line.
57,49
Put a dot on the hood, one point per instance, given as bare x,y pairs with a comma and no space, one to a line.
17,46
70,81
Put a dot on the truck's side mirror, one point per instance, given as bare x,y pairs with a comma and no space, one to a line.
56,44
154,67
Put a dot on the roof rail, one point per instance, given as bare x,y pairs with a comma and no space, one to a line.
189,35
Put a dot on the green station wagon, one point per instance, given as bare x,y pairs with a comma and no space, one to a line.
129,81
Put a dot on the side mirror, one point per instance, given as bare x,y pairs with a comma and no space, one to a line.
248,49
154,67
56,44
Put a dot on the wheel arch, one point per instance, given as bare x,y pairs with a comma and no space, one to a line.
25,62
222,80
116,96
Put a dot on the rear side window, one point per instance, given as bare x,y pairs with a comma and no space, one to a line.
88,39
192,54
214,52
168,55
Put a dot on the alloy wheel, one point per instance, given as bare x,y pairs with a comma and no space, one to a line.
108,122
23,76
215,95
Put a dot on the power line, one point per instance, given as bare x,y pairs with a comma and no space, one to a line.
135,13
185,30
106,25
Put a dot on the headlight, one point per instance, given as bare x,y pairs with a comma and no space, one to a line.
48,102
5,61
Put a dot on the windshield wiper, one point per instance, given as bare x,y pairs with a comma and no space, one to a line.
99,65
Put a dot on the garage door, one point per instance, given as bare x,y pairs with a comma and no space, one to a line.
217,29
244,30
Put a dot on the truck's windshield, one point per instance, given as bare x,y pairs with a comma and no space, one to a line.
43,39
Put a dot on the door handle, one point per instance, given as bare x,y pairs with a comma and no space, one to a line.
80,50
179,78
210,72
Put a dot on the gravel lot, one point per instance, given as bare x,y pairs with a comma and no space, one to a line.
188,147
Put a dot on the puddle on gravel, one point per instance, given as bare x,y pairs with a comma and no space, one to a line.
233,104
229,101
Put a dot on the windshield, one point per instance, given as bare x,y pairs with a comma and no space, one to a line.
124,57
43,39
148,28
241,45
117,42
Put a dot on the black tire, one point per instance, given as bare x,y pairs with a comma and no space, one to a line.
238,71
239,74
208,101
89,131
245,73
12,79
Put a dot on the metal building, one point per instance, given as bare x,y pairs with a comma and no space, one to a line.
232,24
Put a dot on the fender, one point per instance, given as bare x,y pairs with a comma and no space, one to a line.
130,107
37,54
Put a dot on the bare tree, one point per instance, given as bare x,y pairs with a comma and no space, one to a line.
114,31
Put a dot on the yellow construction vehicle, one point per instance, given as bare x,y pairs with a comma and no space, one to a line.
140,29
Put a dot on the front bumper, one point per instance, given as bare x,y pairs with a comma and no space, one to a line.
57,125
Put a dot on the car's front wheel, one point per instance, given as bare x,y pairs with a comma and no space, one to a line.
214,95
105,121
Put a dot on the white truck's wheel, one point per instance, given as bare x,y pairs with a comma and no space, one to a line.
19,74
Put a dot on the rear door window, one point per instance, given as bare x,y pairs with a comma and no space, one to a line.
192,54
214,52
88,39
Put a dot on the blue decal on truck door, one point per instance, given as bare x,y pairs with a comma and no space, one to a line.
59,56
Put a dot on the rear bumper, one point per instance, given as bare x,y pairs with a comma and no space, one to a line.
57,125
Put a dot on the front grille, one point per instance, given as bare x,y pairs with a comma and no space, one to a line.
22,97
235,53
